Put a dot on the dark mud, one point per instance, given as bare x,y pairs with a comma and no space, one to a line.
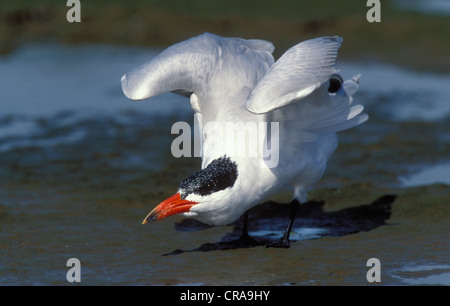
403,37
406,232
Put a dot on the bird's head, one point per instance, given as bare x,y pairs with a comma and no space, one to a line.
208,186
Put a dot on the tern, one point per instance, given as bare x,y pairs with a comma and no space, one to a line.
237,80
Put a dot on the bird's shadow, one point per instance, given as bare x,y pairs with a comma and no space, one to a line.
268,221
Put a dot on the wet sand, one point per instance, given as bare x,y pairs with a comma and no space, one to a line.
404,229
86,200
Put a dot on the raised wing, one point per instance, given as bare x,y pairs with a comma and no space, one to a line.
299,71
187,67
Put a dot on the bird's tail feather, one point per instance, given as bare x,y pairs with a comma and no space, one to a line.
338,113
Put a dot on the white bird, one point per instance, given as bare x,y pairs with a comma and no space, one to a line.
237,80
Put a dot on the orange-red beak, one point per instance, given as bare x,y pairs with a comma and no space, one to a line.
171,206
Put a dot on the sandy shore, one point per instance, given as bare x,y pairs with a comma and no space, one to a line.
406,229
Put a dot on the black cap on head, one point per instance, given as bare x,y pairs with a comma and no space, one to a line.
220,174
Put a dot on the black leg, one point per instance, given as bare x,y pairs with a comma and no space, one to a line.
284,241
245,238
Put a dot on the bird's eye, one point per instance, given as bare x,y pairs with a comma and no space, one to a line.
335,83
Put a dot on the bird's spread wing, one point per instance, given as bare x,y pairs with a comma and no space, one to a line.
188,67
296,74
303,93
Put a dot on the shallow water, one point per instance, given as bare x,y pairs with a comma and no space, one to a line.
439,173
81,166
420,275
435,7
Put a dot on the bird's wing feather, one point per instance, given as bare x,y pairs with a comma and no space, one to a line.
186,67
295,75
174,69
